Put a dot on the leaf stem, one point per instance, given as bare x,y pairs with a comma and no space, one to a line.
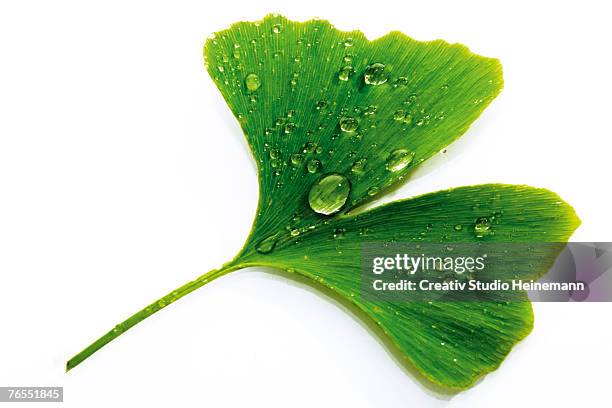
154,307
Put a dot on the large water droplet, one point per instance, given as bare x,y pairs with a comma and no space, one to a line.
375,74
266,245
398,159
252,82
329,194
482,227
348,124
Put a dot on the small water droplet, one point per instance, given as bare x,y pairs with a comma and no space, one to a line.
252,82
289,128
482,227
373,191
359,166
401,81
321,105
296,159
276,28
458,227
399,115
309,147
339,233
329,194
375,74
274,153
348,42
348,124
345,73
370,110
267,244
313,166
399,159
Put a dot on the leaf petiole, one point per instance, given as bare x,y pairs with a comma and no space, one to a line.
152,308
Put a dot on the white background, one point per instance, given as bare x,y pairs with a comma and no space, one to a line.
123,175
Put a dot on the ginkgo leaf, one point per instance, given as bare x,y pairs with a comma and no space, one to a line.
313,100
450,343
333,120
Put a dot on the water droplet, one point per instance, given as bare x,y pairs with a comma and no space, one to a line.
359,166
458,227
313,166
373,191
266,245
339,233
401,81
375,74
296,159
399,115
295,232
348,124
276,28
370,110
274,153
399,159
348,42
309,147
345,73
289,128
482,227
321,106
252,82
329,194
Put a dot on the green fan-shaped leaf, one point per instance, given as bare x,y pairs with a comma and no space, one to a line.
333,120
311,85
450,343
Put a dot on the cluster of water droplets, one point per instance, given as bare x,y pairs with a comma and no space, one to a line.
330,188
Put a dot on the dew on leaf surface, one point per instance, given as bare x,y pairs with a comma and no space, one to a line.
375,74
348,124
329,194
482,227
313,166
252,82
267,244
399,159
